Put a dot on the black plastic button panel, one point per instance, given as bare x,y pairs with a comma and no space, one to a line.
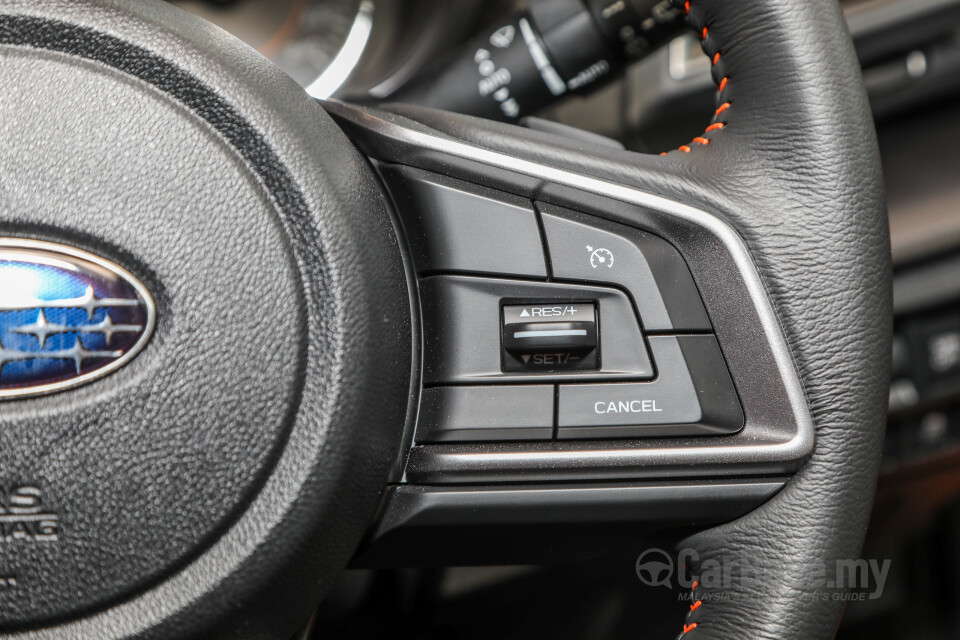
589,249
455,227
692,394
485,413
542,323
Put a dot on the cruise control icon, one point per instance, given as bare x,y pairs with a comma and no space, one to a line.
600,257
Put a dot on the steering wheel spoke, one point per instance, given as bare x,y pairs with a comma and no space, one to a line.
687,387
777,210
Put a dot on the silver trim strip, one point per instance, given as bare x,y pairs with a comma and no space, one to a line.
347,58
550,333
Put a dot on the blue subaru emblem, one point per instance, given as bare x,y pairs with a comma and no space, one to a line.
66,317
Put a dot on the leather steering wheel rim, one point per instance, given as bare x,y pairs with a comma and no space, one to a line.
790,160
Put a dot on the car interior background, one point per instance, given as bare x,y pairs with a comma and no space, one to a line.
377,51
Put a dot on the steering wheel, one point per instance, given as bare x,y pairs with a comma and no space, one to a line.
304,354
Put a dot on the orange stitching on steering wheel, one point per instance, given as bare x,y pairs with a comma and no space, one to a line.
688,627
715,125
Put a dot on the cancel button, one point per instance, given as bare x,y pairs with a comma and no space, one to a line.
614,409
692,395
600,405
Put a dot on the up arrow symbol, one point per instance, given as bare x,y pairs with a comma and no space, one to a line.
524,314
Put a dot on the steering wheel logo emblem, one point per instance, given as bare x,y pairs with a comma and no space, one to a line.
655,567
66,317
600,257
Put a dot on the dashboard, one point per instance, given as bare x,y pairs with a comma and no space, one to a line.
361,49
303,37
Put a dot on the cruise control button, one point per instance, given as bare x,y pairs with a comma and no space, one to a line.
549,336
463,331
692,395
488,413
456,226
591,249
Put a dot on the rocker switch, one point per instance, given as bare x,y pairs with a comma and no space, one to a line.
545,337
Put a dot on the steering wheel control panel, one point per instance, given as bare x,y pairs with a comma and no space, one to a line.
544,324
587,353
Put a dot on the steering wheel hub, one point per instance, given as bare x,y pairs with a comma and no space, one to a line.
214,190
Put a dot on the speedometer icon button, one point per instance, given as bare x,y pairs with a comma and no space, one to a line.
600,258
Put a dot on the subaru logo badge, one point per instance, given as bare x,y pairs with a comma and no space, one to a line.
66,317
